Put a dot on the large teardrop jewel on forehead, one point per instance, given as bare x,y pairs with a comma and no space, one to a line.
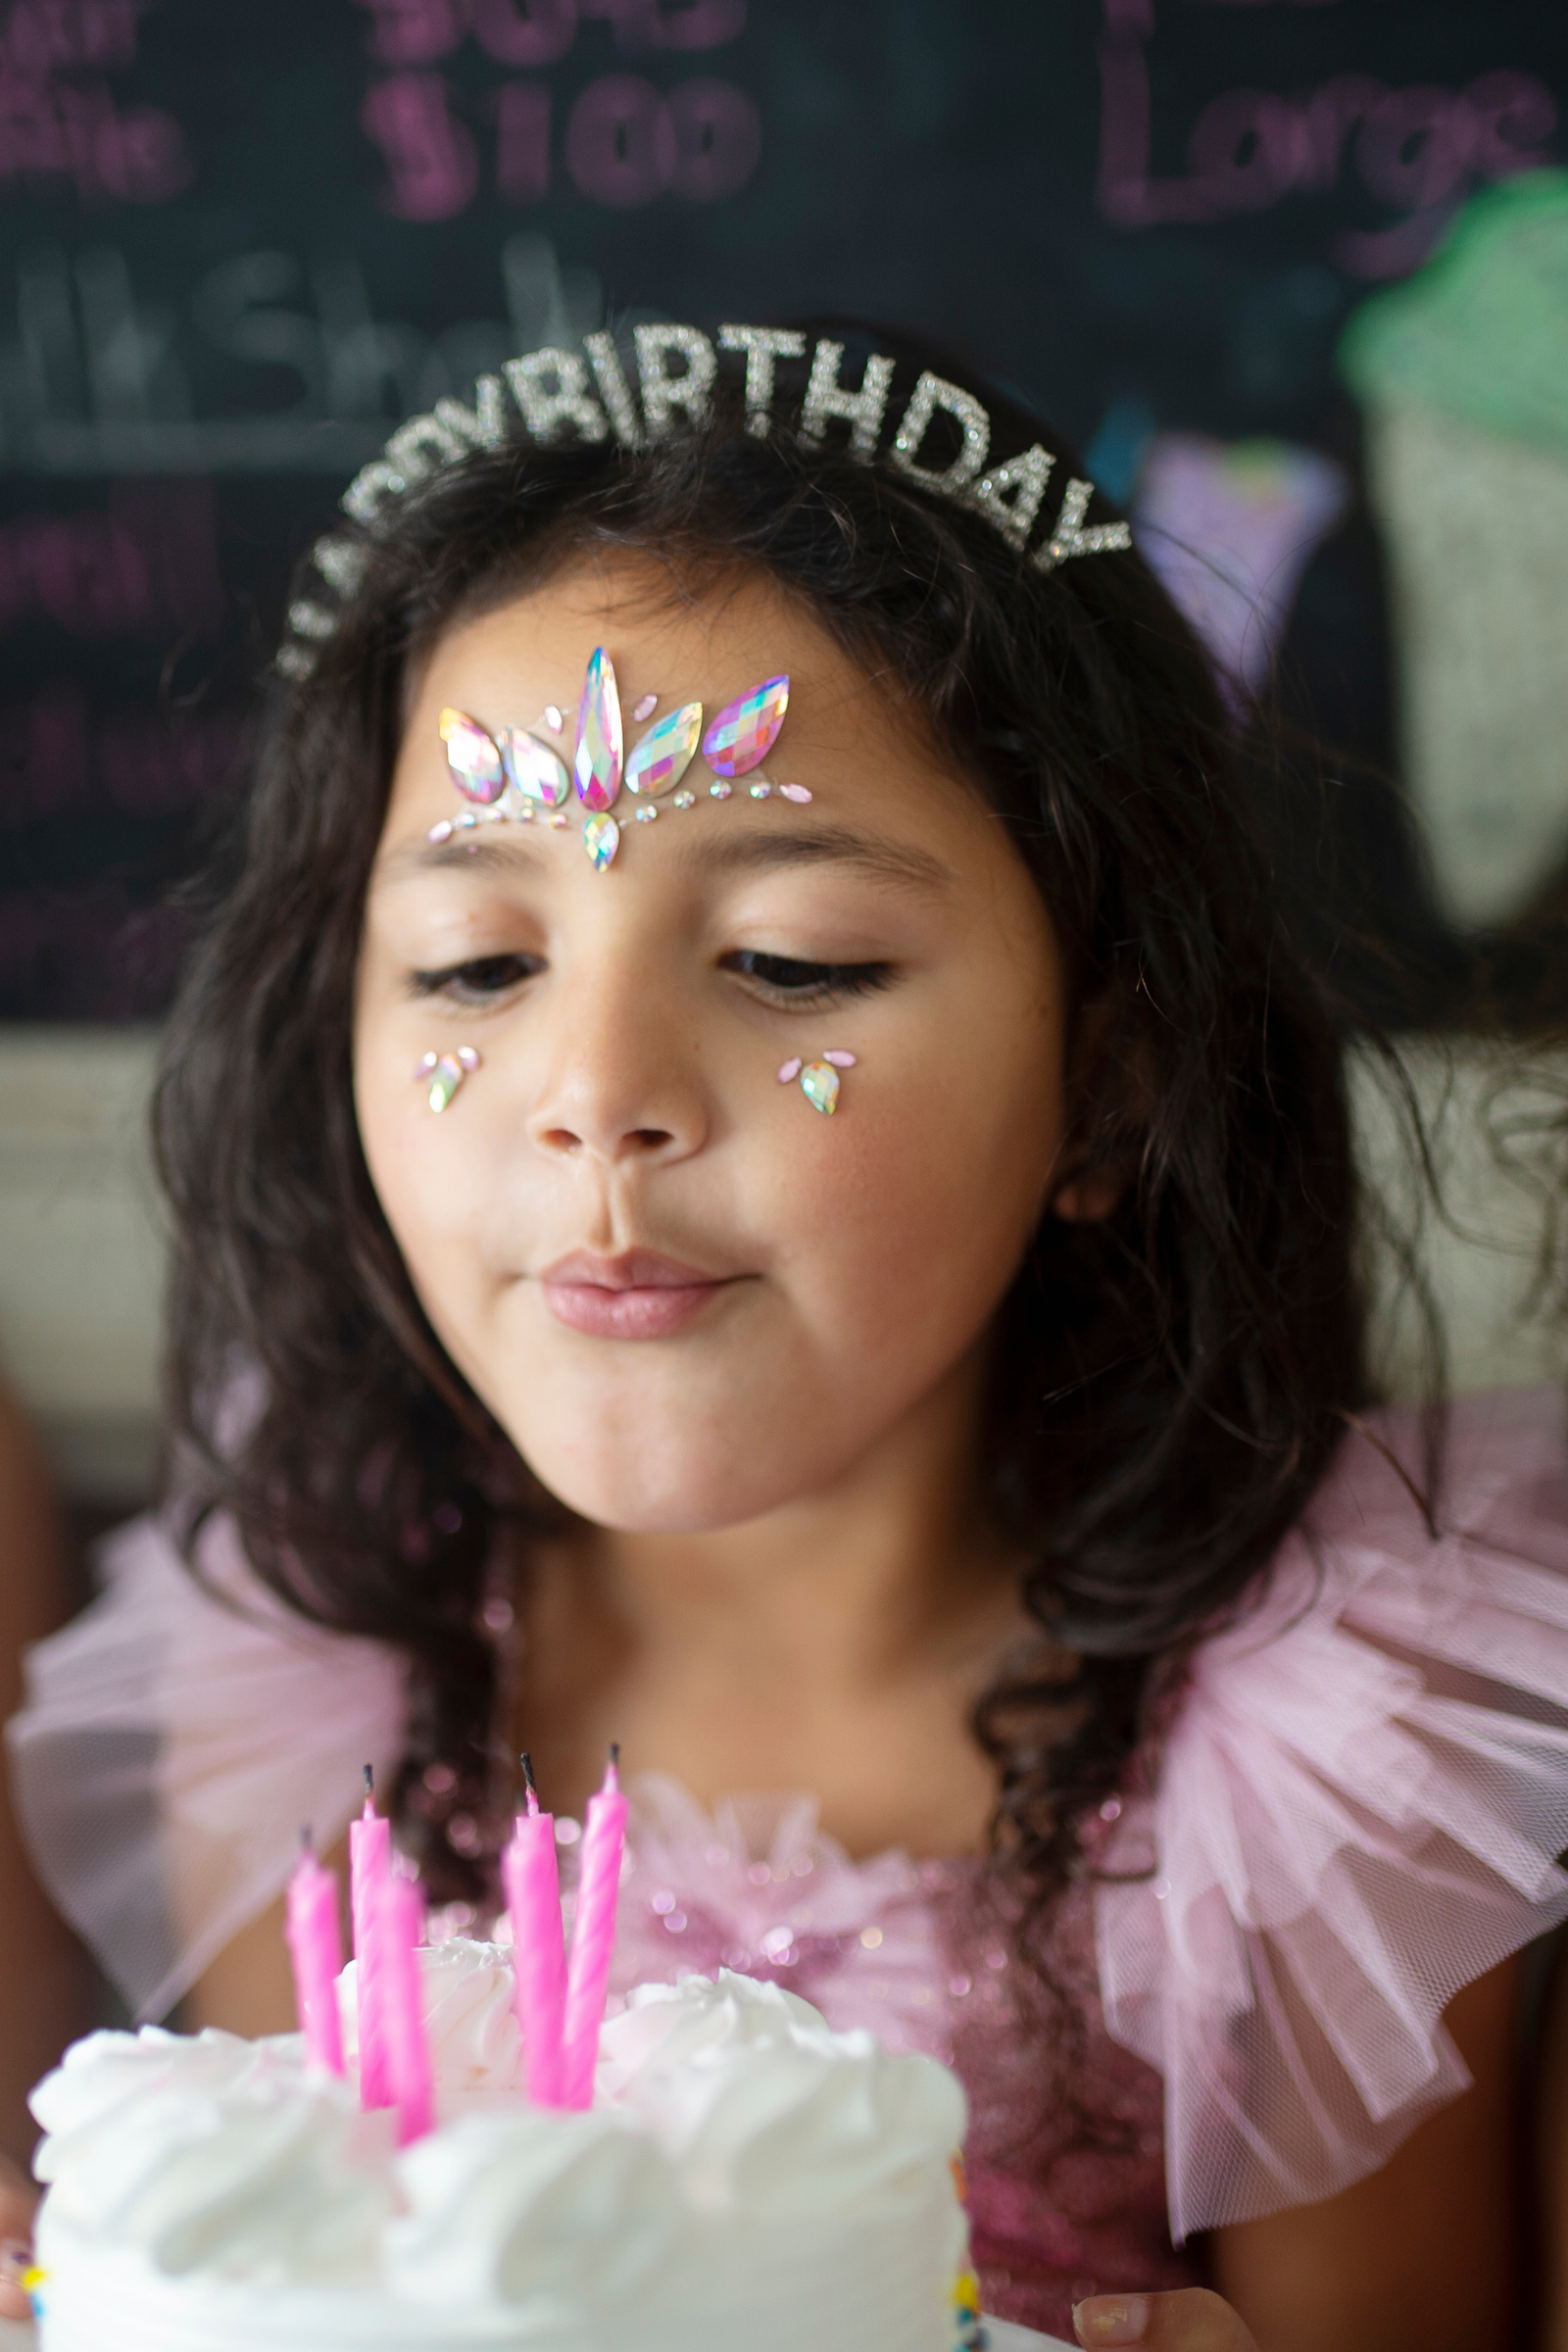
746,731
662,758
538,774
473,756
599,735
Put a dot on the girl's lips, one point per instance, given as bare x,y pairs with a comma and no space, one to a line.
638,1295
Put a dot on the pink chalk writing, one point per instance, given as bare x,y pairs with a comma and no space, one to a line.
149,770
431,159
536,35
58,759
536,32
414,32
51,37
87,953
718,139
670,23
54,128
1415,149
52,131
626,143
146,566
621,141
522,141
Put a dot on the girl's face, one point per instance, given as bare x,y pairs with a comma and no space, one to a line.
687,1296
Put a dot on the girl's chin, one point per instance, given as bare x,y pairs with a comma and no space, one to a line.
650,1490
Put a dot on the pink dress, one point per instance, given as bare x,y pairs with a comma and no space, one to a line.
1358,1809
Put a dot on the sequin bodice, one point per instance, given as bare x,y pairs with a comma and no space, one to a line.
1066,2196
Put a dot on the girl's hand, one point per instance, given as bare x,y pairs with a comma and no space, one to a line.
1193,2320
18,2202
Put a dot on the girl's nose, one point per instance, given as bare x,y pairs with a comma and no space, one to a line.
618,1102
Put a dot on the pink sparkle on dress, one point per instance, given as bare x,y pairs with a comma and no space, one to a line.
1357,1806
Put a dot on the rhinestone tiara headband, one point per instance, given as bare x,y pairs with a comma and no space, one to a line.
553,394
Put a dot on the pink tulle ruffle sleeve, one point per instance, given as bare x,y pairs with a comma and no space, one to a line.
173,1746
1361,1805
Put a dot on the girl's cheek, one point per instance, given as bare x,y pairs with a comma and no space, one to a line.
919,1178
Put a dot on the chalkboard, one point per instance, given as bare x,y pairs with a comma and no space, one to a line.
240,238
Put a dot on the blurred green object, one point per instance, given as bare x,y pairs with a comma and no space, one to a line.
1481,331
1462,375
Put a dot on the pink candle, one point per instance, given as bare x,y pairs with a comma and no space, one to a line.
316,1947
369,1862
593,1936
531,1883
398,1926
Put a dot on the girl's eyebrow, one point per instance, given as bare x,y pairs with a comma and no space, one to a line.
755,852
465,853
500,852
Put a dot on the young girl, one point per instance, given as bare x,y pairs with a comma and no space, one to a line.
816,1236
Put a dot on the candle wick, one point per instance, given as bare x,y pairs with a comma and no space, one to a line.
530,1790
612,1768
370,1792
306,1841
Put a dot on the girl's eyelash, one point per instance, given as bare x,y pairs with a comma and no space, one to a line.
792,976
481,977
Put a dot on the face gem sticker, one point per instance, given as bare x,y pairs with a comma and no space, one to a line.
601,838
662,758
473,758
538,774
746,731
444,1073
599,736
820,1084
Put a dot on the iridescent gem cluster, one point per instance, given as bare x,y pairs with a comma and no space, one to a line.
517,775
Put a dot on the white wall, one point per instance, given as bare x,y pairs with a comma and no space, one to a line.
82,1249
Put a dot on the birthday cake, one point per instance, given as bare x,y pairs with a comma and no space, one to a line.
742,2177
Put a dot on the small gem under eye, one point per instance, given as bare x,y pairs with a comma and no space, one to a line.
820,1084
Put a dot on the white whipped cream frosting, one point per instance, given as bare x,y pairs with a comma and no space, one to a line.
738,2154
469,2015
216,2155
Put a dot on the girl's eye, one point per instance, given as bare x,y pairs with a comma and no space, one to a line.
479,981
789,976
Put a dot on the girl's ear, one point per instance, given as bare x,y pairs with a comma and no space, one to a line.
1108,1097
1084,1199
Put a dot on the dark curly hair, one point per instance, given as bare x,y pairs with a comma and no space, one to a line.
1168,1385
